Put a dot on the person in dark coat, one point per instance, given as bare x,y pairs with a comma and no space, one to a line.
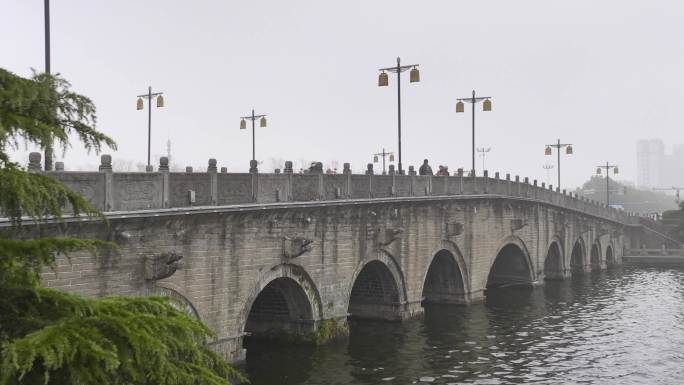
425,169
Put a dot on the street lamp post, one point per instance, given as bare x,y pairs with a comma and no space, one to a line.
483,153
383,154
140,105
383,81
253,118
548,168
487,106
558,146
46,11
607,167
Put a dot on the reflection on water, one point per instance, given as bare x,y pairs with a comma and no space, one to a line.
618,327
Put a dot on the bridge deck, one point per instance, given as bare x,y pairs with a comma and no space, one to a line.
250,207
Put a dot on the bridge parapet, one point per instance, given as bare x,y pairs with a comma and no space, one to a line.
130,191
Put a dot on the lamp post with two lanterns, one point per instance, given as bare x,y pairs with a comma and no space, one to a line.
383,81
558,146
140,105
383,154
486,106
253,118
607,166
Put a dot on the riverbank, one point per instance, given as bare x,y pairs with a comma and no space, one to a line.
654,260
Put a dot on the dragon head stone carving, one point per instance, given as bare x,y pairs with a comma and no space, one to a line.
293,247
162,266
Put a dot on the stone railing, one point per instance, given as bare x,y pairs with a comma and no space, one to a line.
130,191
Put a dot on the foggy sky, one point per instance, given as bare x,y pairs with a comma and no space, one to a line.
598,74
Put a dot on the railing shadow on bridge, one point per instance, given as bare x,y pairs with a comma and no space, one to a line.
131,191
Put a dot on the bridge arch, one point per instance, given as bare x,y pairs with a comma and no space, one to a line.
377,289
554,262
578,255
176,298
511,265
283,302
595,255
446,277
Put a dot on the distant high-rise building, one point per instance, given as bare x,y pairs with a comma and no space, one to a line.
673,168
650,162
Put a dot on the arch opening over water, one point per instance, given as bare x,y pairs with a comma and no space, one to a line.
511,268
375,294
595,256
577,257
444,280
282,308
553,263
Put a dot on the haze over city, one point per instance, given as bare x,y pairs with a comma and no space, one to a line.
600,75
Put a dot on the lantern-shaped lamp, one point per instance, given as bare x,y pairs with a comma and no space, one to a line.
460,107
160,101
568,150
140,105
487,105
243,124
391,157
375,159
383,80
598,171
262,122
414,75
547,151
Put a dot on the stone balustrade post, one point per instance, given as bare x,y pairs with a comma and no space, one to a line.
288,167
254,172
369,172
213,181
106,168
34,162
164,170
346,170
485,181
288,171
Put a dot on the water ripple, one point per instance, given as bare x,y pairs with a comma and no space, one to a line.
617,327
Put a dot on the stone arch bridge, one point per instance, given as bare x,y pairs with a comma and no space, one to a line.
297,254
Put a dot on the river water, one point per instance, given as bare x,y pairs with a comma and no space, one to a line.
624,326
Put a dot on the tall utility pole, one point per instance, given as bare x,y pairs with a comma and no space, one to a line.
548,168
46,8
483,153
383,81
607,167
487,106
